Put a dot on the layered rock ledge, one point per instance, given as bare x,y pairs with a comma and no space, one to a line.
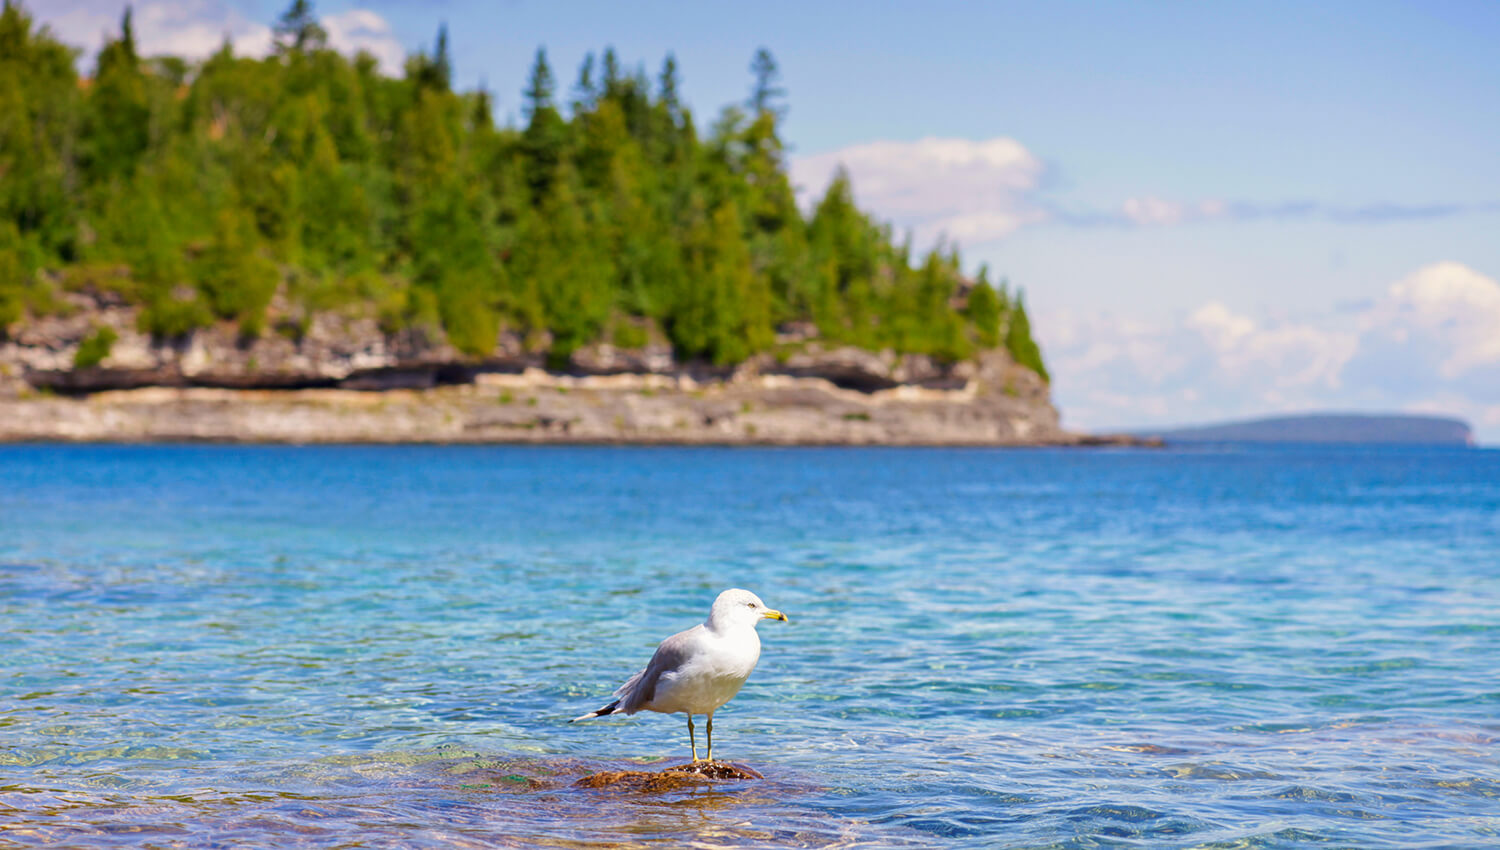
342,380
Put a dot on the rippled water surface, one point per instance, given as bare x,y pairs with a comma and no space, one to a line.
225,646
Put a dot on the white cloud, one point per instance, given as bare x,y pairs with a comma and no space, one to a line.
981,191
1216,321
81,24
195,29
1456,306
1290,354
1430,343
973,191
362,29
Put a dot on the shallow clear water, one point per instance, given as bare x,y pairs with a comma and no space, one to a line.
216,646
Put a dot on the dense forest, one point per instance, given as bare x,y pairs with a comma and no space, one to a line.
200,191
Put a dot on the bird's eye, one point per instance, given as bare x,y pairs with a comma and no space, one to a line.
750,604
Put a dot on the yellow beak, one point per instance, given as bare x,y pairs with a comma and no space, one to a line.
770,614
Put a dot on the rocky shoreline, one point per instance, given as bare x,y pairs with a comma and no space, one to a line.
341,380
803,412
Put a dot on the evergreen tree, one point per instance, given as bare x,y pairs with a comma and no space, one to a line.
441,63
236,279
540,87
612,76
198,192
298,30
765,95
667,85
983,311
546,132
483,117
1019,343
39,147
585,91
118,127
567,265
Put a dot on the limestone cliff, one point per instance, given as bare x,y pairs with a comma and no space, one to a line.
341,379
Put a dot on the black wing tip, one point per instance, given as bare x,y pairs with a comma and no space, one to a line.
598,712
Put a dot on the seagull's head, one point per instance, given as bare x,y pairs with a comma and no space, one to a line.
738,608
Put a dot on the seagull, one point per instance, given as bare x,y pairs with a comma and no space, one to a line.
698,670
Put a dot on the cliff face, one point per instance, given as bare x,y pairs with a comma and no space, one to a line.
341,379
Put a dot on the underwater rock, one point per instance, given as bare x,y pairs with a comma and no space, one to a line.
668,779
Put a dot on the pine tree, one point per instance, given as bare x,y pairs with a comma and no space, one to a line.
311,174
442,64
612,75
983,311
119,119
1019,343
235,279
298,30
546,133
585,91
539,88
667,86
39,157
482,117
765,96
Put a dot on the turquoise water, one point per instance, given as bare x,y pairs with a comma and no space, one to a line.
230,646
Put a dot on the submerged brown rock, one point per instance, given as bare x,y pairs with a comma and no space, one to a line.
669,778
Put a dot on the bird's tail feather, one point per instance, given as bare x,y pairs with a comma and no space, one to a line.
598,712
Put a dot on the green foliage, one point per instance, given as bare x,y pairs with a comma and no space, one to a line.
170,316
298,29
118,116
237,281
40,112
94,348
1019,342
21,292
984,311
629,334
210,191
765,93
724,314
546,138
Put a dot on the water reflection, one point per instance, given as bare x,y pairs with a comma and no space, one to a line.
435,798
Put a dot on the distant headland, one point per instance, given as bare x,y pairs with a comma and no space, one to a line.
302,248
1390,429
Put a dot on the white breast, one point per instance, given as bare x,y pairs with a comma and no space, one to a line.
711,676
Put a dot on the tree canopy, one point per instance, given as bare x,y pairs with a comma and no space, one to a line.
203,191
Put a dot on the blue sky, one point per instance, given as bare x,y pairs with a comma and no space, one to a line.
1216,209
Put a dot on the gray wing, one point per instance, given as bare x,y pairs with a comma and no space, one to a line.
670,655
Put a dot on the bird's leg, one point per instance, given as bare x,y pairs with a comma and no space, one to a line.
710,737
692,739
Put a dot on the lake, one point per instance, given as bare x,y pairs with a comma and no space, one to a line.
1221,646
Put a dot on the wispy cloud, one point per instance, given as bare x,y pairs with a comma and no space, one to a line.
362,29
1430,342
982,191
1152,211
1377,213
